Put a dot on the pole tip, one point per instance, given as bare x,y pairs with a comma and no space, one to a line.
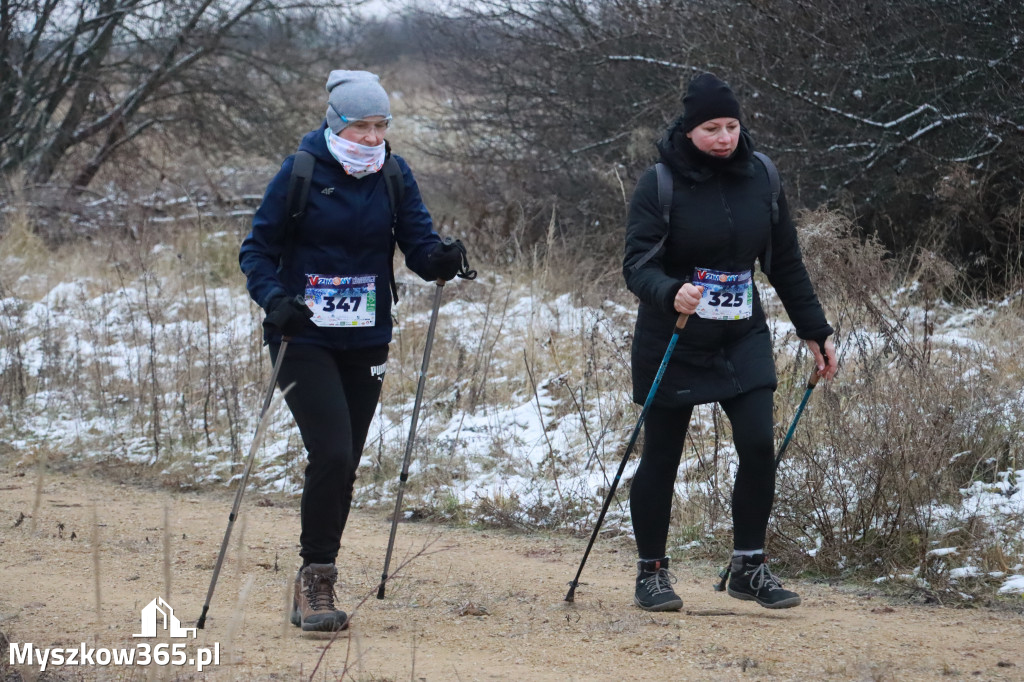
201,623
571,595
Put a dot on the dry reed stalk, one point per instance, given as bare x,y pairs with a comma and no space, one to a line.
412,672
543,427
96,567
167,552
289,596
37,501
240,552
236,620
549,246
354,637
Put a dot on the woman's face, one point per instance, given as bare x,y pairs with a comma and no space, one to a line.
717,137
368,131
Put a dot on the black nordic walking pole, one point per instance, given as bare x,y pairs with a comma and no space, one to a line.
257,438
412,434
680,323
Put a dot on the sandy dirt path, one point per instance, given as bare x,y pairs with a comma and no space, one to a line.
466,604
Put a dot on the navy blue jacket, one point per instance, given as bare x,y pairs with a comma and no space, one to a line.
346,230
720,219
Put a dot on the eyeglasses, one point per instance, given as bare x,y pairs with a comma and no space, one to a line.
364,127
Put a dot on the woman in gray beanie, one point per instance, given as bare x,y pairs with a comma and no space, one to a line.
322,271
721,219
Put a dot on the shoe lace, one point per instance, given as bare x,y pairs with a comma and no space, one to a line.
763,577
320,594
660,581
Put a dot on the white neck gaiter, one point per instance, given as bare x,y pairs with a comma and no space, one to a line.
357,159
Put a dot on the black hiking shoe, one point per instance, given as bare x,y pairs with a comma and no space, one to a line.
750,579
654,587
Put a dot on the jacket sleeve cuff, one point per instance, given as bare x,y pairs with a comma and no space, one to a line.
817,334
272,298
669,300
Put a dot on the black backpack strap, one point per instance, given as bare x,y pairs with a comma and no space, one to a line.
665,201
298,193
774,181
395,183
776,187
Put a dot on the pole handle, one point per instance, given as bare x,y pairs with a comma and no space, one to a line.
813,380
681,321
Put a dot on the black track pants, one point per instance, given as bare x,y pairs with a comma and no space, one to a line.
650,496
333,402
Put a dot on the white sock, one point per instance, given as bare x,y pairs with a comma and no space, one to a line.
747,552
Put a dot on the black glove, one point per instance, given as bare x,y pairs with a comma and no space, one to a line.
445,260
288,315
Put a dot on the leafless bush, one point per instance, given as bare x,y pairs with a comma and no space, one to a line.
86,83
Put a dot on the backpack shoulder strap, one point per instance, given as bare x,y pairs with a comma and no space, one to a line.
665,201
776,188
395,183
664,192
298,193
774,181
298,184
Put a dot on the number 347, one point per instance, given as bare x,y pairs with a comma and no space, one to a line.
345,303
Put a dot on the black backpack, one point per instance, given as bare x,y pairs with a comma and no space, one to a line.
665,199
298,194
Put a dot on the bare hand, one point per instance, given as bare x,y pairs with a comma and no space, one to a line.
687,298
827,364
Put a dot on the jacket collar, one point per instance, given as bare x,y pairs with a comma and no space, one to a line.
679,154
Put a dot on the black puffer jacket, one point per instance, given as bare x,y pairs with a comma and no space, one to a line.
720,219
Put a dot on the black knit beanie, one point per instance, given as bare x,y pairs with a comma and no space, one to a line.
708,97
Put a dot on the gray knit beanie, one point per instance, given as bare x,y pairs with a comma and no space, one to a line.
354,95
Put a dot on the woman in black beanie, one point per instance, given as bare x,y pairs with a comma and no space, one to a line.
701,264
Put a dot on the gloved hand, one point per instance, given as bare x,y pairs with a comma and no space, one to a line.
288,314
446,259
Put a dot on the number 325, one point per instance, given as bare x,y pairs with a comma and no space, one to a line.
725,299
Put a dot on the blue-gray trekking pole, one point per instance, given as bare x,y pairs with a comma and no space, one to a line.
680,323
412,435
465,272
253,447
812,381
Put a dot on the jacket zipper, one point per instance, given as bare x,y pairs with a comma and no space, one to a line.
732,225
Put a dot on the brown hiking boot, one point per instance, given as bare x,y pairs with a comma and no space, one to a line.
313,606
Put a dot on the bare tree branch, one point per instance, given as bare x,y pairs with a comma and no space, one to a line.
80,79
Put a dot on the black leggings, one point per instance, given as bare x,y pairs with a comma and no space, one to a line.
333,402
650,496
